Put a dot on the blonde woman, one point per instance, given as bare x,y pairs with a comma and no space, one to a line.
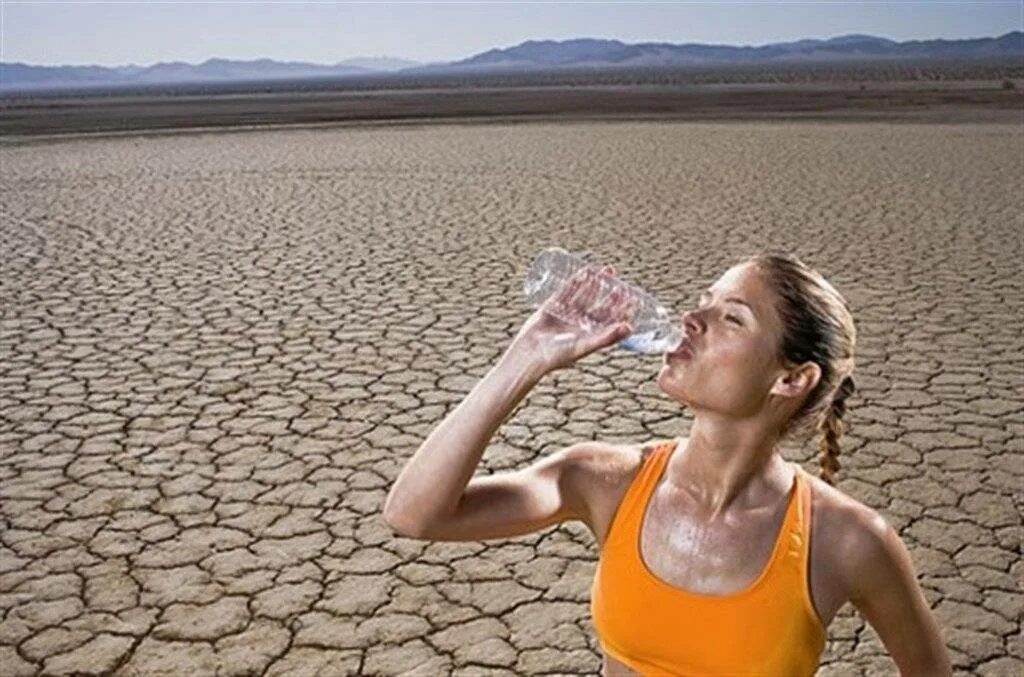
717,556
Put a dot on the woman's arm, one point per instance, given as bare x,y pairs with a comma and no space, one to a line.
879,575
430,498
431,485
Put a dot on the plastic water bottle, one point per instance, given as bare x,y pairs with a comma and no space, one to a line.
654,330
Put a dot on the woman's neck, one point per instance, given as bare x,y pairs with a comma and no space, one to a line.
728,466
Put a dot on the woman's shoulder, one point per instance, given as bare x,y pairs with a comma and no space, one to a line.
842,524
615,462
601,473
842,513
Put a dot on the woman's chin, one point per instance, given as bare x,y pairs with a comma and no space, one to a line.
668,382
674,392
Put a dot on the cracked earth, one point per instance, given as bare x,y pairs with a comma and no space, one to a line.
218,350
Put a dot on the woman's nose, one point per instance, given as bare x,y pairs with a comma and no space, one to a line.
692,322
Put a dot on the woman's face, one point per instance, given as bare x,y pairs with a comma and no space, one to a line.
728,361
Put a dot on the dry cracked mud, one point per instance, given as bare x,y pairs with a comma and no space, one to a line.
218,350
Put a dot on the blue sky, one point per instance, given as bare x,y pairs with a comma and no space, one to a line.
118,33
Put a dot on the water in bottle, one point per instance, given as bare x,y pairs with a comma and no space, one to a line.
654,330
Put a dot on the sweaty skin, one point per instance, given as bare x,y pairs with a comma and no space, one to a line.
722,558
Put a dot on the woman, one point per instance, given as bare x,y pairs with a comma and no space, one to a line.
717,557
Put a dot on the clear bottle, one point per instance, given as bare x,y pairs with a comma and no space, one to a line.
654,330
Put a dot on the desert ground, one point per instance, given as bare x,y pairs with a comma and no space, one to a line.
219,349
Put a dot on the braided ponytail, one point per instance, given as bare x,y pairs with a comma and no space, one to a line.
832,429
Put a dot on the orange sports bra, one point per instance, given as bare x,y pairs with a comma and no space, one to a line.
769,629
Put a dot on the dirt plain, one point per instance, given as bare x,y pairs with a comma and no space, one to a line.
218,350
155,109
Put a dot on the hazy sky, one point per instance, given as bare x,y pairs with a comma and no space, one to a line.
118,33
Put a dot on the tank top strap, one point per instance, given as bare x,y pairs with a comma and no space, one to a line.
797,526
634,501
654,464
649,473
802,514
801,550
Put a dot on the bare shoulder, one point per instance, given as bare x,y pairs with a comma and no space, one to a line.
604,463
599,473
849,534
844,515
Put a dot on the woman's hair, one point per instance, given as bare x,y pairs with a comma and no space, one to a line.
817,327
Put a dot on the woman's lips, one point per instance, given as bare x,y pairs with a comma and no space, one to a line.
681,351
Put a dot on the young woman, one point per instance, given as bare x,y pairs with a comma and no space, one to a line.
717,556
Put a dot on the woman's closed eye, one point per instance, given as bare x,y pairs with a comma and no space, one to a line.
728,317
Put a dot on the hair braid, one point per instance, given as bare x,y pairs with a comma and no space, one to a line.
832,428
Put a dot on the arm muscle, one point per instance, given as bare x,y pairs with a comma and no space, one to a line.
515,503
883,586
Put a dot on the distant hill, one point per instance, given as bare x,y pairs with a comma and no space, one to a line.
24,76
605,53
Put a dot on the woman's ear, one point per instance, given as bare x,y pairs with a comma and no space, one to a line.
798,381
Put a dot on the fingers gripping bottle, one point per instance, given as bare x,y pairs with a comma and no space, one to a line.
653,328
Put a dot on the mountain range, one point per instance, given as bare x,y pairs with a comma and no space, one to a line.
531,55
589,52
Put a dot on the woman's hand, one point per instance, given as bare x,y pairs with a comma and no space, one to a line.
547,343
